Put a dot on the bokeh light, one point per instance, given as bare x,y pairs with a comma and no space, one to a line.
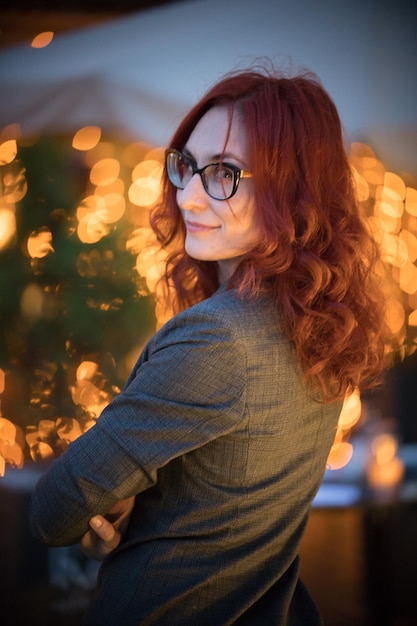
8,151
42,39
87,261
86,138
385,468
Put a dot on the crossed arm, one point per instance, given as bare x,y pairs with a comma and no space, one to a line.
177,399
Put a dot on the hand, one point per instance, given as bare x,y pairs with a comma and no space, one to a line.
106,531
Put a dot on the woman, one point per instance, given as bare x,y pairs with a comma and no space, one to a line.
222,431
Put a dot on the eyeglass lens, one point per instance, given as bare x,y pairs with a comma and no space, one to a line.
219,180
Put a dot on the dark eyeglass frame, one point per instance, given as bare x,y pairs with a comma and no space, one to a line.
238,173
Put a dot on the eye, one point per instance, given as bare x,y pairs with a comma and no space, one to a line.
222,172
185,167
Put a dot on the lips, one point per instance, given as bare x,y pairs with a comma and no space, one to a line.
196,227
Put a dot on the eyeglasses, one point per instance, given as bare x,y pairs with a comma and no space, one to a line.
220,180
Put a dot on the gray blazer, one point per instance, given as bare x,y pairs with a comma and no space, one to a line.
215,433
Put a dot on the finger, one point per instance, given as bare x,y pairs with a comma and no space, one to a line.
105,530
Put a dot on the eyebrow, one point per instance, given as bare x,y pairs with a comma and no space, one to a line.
215,157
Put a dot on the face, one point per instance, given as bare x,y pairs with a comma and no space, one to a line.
218,230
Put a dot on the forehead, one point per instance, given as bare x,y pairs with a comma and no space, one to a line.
216,134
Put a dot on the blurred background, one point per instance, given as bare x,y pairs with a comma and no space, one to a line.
90,94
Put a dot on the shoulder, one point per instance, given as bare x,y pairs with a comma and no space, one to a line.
214,318
227,321
223,336
202,341
228,305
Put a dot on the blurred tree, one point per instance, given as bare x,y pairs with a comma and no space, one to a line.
69,302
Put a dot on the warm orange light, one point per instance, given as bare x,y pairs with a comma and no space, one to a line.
134,153
39,243
86,370
85,392
373,171
103,150
105,172
411,201
11,445
88,395
388,223
139,239
91,228
43,39
114,207
351,411
410,241
149,258
7,227
395,315
124,184
41,451
154,274
394,250
408,278
394,186
31,301
97,211
91,215
116,186
7,430
86,138
11,131
389,201
14,186
361,184
12,453
37,437
8,151
340,455
162,313
364,159
68,429
46,428
385,469
361,150
90,204
146,185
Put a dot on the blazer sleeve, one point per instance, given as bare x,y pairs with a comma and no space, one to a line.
186,390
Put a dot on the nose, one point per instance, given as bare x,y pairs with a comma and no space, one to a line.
193,196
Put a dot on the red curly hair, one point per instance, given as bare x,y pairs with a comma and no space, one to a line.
316,255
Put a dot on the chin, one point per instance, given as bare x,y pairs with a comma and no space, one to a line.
199,255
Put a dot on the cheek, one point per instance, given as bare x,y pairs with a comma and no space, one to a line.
246,231
251,221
